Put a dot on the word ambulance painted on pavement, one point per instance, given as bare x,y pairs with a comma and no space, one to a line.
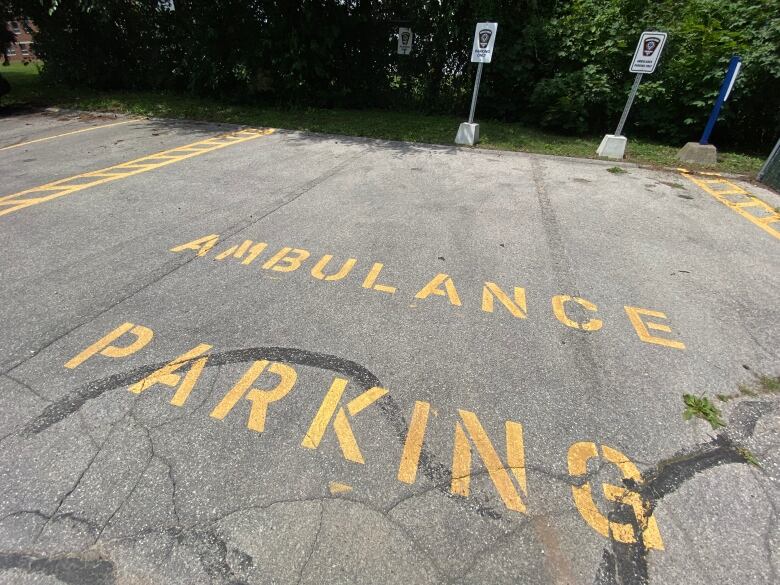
337,414
564,307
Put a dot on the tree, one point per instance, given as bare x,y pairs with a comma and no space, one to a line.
560,65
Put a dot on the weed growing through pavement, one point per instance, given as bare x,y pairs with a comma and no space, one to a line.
616,170
701,407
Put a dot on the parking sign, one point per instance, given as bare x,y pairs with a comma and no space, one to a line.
405,39
648,51
484,39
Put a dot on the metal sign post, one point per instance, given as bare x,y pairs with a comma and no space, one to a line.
629,102
703,152
725,89
646,56
481,53
476,91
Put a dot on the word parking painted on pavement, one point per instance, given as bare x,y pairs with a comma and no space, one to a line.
337,414
289,259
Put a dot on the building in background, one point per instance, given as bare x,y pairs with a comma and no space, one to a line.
22,49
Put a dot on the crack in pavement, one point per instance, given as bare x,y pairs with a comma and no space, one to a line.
213,552
38,513
28,388
153,456
621,563
627,564
67,494
126,498
438,473
313,544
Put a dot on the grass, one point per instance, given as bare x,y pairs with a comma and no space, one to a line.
748,456
761,385
28,89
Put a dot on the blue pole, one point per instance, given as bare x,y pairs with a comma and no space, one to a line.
722,95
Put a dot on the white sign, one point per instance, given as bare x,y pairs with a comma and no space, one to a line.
484,39
648,51
404,41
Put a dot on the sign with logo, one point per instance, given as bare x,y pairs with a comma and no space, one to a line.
404,41
648,51
484,39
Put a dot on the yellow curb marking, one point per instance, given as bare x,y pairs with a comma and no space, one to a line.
55,189
339,488
737,199
67,134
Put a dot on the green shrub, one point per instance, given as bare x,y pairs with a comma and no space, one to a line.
561,65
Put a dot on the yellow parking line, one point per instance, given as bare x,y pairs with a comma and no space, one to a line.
771,216
30,201
751,203
70,185
66,134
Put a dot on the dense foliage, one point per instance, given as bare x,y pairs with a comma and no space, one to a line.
561,65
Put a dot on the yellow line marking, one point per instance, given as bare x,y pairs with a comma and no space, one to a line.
339,488
751,203
739,207
66,134
730,192
44,188
123,170
15,203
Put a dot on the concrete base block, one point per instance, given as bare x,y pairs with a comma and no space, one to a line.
612,146
703,154
467,134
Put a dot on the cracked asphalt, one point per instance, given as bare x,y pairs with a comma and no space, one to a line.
234,356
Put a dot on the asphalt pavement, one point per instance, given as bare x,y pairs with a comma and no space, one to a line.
239,355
